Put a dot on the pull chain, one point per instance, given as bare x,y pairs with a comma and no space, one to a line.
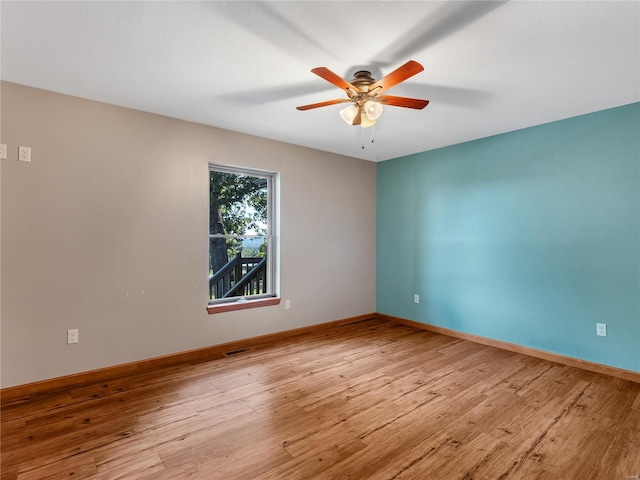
362,135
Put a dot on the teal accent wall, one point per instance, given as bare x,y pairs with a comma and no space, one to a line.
529,237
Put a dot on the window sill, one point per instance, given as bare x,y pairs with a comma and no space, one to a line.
233,306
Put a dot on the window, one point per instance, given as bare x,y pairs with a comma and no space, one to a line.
241,237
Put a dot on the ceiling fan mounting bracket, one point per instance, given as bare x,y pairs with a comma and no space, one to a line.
363,80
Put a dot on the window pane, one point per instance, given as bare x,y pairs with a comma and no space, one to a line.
237,204
245,273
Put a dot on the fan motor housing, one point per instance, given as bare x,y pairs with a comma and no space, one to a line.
362,79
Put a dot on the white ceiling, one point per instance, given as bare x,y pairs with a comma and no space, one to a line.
490,67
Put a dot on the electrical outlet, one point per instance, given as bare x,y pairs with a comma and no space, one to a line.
3,151
72,336
416,298
24,154
601,329
287,304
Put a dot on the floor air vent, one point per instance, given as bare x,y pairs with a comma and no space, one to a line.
237,352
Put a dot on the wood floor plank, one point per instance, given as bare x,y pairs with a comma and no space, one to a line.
132,466
80,466
370,400
313,463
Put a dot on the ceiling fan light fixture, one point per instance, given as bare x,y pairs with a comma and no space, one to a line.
366,121
348,114
373,109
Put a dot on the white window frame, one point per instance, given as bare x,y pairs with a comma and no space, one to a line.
271,295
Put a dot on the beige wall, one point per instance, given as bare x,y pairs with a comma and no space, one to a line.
106,231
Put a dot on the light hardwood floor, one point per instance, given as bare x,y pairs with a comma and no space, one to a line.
371,400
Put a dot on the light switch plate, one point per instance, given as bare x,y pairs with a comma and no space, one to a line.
72,336
3,150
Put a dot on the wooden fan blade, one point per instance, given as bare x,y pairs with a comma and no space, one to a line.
406,102
334,78
400,74
323,104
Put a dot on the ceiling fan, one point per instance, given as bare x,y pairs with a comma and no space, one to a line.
364,93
